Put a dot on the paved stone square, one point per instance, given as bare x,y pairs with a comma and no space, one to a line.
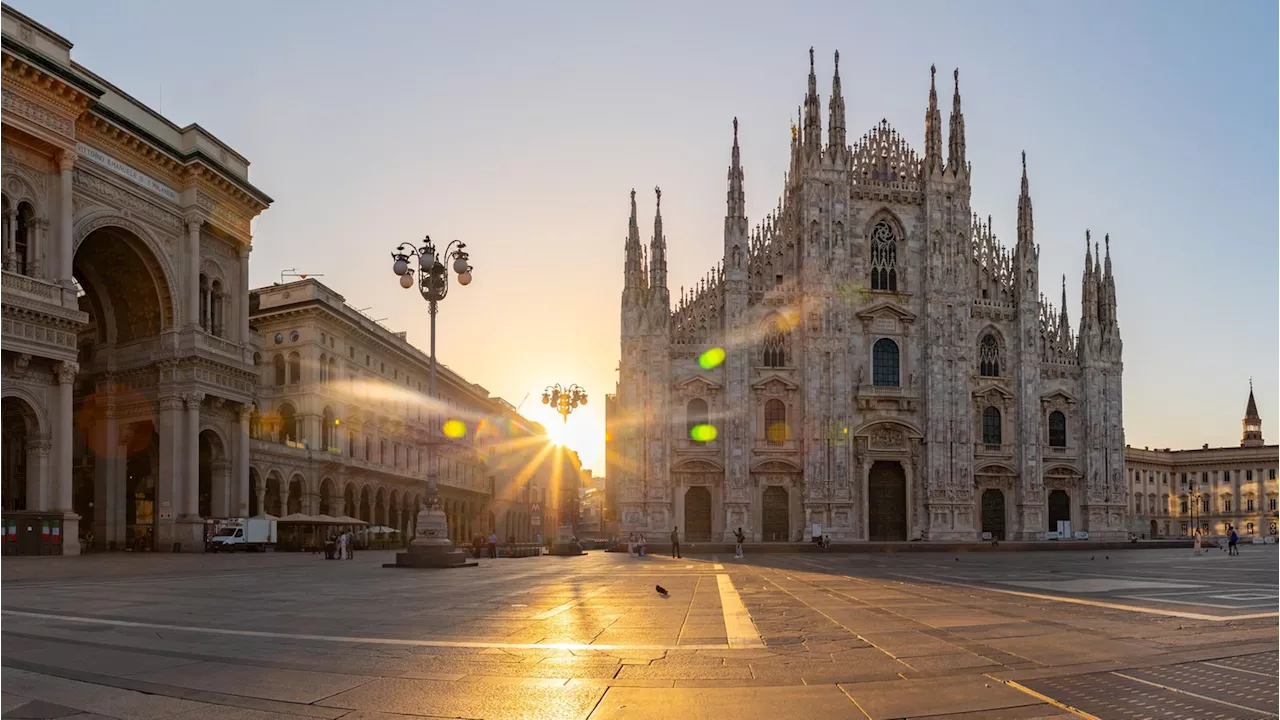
1123,634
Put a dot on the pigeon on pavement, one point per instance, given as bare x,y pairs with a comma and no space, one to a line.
661,590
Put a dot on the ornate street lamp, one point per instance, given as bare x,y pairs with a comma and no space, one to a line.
431,546
565,401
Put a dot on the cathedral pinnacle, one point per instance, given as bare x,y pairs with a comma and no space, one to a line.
932,126
812,111
737,201
955,154
835,132
1026,226
634,276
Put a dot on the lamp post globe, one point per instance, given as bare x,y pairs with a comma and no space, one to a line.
564,400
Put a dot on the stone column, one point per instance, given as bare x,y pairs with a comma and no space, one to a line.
66,251
193,224
105,497
63,448
261,493
188,495
168,478
240,494
38,478
220,506
10,237
243,320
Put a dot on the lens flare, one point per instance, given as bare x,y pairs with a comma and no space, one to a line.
455,429
703,433
711,358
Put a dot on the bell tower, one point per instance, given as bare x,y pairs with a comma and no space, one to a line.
1252,423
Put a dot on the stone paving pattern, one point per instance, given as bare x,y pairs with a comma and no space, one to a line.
832,636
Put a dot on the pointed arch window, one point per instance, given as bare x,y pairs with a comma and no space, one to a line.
991,434
885,364
989,356
774,345
695,415
884,257
775,422
1057,429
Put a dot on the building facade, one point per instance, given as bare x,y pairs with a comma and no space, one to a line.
1210,490
868,358
343,423
127,374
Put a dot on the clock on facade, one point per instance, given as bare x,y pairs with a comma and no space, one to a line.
279,338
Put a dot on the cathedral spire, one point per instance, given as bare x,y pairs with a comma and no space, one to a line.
1025,225
737,198
634,278
955,155
932,127
658,249
1252,423
812,113
835,133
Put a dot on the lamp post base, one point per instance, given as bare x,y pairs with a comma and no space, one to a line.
431,546
565,544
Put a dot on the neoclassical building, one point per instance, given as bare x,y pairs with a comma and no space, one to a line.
869,357
1176,492
343,422
127,374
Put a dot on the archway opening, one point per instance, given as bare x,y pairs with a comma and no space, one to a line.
887,502
19,466
213,463
255,482
697,514
1155,528
326,497
1059,508
775,521
295,497
993,515
124,289
272,499
366,510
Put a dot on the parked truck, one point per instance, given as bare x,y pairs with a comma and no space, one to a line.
246,534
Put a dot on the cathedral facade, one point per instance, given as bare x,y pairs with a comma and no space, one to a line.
868,361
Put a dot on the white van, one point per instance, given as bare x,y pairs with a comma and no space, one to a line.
244,534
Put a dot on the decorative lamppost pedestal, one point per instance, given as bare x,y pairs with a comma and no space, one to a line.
431,546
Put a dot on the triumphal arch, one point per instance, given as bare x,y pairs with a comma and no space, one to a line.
127,368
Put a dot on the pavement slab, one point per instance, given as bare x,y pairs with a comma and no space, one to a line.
828,635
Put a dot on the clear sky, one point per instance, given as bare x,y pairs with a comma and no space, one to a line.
520,128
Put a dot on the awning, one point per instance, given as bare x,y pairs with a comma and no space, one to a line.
348,520
297,518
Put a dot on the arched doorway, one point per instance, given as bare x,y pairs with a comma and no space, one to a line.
1155,528
775,514
272,498
366,509
1059,508
993,513
141,469
887,502
697,514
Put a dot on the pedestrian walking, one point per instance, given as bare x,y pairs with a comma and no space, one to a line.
739,538
493,545
1233,545
342,546
675,542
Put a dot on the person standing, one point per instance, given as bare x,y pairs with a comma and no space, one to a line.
1233,545
675,542
739,538
342,546
493,545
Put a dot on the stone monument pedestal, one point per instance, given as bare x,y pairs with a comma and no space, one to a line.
564,544
431,546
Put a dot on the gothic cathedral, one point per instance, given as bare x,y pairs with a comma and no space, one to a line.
868,362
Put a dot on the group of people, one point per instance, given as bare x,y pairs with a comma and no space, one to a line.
637,547
340,546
